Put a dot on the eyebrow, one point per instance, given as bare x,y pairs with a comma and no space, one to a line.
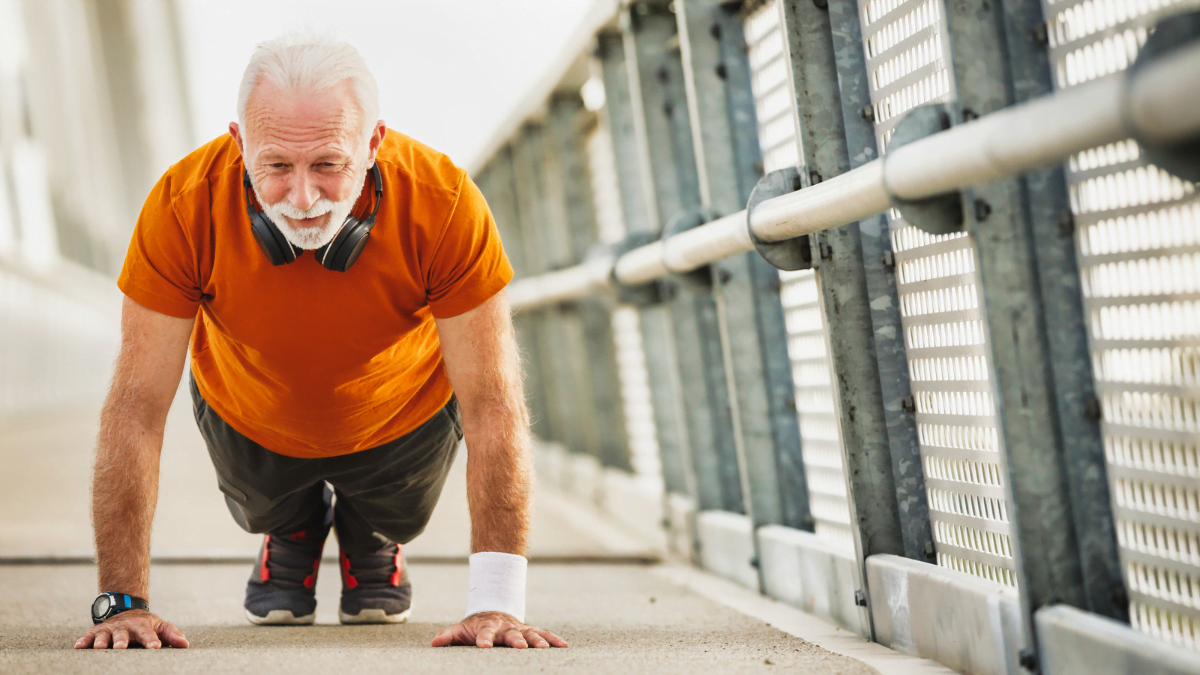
271,156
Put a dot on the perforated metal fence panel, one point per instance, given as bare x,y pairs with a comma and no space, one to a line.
778,134
627,332
1138,236
944,334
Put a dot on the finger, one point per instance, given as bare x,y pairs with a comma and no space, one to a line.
444,638
86,641
173,636
101,641
514,639
120,638
458,634
553,639
485,637
536,641
144,636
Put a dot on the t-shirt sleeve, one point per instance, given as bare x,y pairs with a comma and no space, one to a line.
160,265
469,265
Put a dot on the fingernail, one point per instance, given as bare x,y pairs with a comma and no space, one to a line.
154,645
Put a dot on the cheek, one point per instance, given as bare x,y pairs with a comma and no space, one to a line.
336,187
271,188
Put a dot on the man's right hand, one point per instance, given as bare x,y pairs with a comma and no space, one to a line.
133,627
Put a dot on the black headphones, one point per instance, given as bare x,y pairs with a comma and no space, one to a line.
338,255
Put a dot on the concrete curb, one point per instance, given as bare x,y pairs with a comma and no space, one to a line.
797,623
970,624
1074,641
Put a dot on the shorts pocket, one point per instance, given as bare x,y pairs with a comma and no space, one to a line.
230,490
455,414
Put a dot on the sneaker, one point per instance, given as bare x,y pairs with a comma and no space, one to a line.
281,591
375,587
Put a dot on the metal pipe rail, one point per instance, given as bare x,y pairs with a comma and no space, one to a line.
1158,103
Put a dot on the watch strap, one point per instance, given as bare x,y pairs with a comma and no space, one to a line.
126,602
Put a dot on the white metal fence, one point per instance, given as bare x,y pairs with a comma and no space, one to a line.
779,138
1138,235
940,303
1137,231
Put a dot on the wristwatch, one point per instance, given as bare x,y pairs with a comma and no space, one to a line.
109,604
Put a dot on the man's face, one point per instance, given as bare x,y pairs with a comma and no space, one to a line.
307,159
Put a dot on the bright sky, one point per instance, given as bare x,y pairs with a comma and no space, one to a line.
449,71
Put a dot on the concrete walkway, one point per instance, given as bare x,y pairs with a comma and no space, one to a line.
619,613
618,619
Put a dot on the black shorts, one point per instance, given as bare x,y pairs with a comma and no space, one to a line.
381,495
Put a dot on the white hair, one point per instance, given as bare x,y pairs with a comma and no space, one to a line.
311,63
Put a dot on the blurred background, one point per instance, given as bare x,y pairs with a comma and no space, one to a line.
939,436
97,99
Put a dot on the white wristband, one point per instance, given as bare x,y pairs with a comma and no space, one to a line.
497,584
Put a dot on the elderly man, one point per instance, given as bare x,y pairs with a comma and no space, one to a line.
328,385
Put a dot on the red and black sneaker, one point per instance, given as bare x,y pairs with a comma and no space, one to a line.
375,587
282,587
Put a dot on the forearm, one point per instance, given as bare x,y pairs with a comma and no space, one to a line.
480,351
499,473
124,495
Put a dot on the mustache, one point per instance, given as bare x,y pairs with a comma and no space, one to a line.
320,208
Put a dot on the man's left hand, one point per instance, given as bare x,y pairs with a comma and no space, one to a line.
487,629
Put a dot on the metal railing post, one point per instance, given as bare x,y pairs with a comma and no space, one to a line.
1053,243
498,184
581,433
601,388
660,104
838,260
551,339
728,162
640,218
877,270
999,214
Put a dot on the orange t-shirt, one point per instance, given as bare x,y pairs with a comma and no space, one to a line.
302,360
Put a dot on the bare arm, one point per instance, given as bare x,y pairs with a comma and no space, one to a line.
481,359
125,474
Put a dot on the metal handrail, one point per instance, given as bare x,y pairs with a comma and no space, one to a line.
1159,103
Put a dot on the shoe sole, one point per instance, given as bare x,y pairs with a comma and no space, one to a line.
281,617
373,616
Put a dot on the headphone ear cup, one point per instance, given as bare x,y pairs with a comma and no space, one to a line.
272,242
354,247
339,254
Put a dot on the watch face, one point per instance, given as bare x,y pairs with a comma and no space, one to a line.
101,605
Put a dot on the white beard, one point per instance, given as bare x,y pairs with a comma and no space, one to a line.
313,237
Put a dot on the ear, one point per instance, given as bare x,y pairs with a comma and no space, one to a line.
375,141
236,133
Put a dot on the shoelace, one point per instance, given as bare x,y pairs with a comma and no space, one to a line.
383,568
291,559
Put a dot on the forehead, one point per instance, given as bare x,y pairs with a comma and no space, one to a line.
286,122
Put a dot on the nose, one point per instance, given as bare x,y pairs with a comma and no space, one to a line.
302,190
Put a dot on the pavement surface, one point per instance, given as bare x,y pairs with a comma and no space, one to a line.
618,616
